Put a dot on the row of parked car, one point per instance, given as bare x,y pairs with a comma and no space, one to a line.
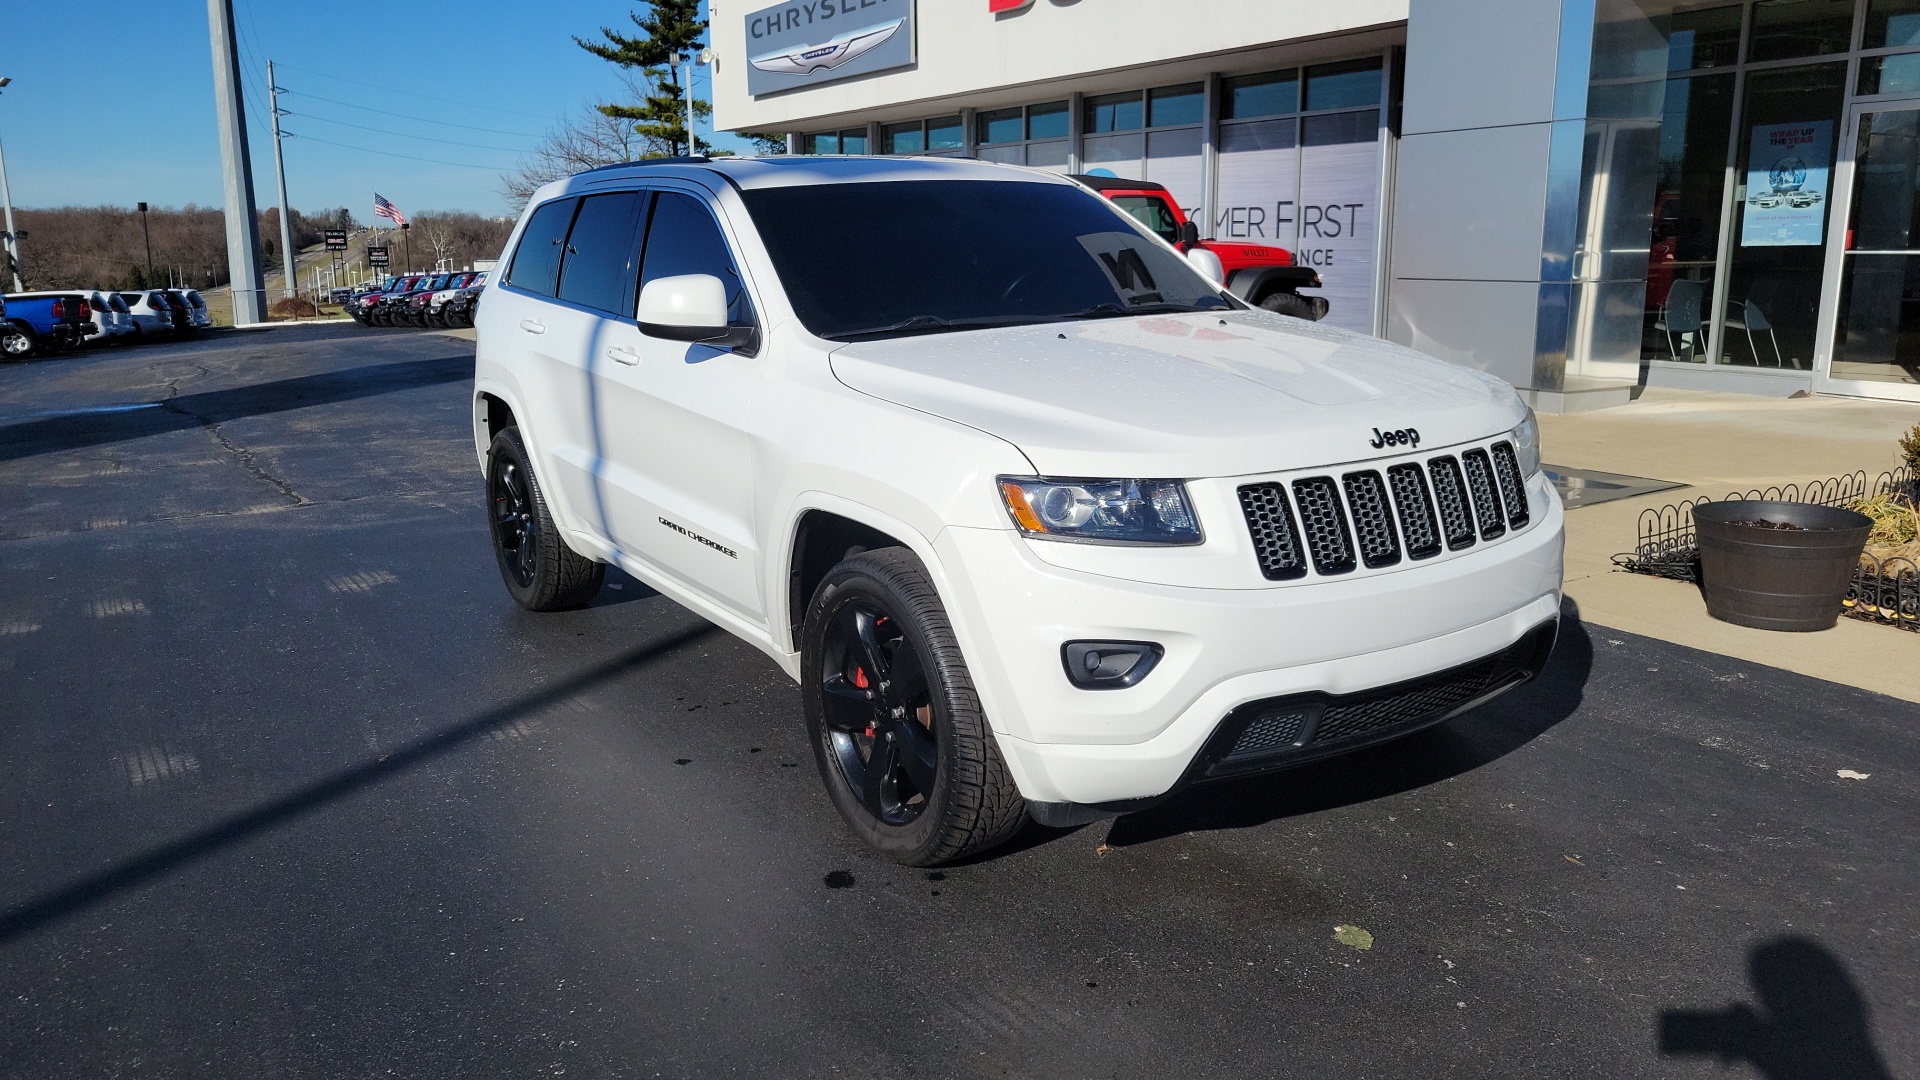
46,323
439,301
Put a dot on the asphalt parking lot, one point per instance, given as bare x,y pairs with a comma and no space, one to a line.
292,789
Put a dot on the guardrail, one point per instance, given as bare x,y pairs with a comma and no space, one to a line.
1885,591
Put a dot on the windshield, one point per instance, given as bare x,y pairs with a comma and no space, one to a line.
1152,213
887,259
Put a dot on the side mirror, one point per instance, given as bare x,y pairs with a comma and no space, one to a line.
1189,235
1207,263
690,307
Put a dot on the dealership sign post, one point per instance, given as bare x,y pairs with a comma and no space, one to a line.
808,42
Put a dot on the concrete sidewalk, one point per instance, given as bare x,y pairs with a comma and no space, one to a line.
1717,444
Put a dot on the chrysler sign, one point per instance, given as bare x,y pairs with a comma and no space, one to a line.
807,42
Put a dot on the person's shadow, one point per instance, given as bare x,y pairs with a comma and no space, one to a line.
1810,1023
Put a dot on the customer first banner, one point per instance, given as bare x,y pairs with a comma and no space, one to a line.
1788,173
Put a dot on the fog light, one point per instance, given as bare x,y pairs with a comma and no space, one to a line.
1108,665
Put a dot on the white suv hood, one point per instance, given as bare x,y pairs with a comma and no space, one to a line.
1182,396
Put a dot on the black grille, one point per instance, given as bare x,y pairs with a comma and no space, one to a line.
1274,729
1486,501
1410,498
1275,541
1507,467
1324,524
1301,727
1373,530
1450,492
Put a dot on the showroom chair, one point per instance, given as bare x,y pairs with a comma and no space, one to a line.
1680,315
1746,315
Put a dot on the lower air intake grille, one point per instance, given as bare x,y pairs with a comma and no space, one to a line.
1271,730
1417,523
1450,491
1279,731
1512,489
1486,501
1324,524
1275,541
1372,519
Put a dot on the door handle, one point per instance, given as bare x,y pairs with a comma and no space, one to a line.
622,354
533,326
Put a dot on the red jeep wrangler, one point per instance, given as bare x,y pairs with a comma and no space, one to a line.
1262,276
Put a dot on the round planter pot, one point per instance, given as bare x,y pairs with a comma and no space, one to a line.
1777,578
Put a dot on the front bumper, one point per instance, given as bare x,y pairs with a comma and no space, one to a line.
1224,650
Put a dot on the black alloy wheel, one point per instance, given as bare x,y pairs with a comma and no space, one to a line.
902,743
878,713
541,572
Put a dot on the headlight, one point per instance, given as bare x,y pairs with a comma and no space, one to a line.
1526,445
1102,511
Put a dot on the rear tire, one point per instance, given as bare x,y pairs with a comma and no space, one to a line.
17,342
541,572
886,689
1286,303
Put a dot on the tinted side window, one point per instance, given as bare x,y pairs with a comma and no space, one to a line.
602,253
683,239
536,262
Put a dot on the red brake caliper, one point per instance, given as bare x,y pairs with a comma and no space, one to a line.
860,680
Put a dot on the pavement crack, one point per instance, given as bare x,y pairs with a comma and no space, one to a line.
240,453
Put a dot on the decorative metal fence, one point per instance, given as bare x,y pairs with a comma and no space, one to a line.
1885,591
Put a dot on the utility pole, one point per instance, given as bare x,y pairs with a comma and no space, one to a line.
243,229
148,237
6,196
280,171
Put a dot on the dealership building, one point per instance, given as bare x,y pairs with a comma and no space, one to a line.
1580,196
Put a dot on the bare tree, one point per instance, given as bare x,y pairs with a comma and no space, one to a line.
587,140
439,240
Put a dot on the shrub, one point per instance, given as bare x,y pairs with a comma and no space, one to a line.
1910,449
293,307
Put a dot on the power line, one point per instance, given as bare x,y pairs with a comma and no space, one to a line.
415,93
404,116
403,135
389,153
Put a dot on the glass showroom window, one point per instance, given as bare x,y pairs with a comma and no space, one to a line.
942,135
1690,184
1299,168
849,141
1035,135
1152,135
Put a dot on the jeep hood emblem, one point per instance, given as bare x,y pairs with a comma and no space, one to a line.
1398,437
808,59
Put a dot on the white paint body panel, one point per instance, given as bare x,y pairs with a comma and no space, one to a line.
1210,399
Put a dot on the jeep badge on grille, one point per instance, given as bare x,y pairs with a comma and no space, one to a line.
1400,437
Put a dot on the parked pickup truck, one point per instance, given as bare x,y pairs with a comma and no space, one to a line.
43,323
1263,276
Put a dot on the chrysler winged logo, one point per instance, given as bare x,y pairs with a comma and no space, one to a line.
825,57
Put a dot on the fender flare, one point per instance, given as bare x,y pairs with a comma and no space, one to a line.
1254,284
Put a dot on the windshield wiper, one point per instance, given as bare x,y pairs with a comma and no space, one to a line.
1115,311
930,324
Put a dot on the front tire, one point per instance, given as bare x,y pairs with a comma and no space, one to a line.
897,730
1286,303
541,572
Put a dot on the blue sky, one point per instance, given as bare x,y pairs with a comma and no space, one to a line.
123,112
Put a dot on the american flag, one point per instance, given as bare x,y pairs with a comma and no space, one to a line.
385,209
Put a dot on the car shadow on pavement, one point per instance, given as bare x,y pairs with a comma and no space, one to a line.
158,862
78,430
1809,1023
1427,757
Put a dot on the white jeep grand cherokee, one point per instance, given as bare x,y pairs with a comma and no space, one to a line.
1044,521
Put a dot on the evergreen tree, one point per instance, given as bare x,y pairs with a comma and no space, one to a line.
668,27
